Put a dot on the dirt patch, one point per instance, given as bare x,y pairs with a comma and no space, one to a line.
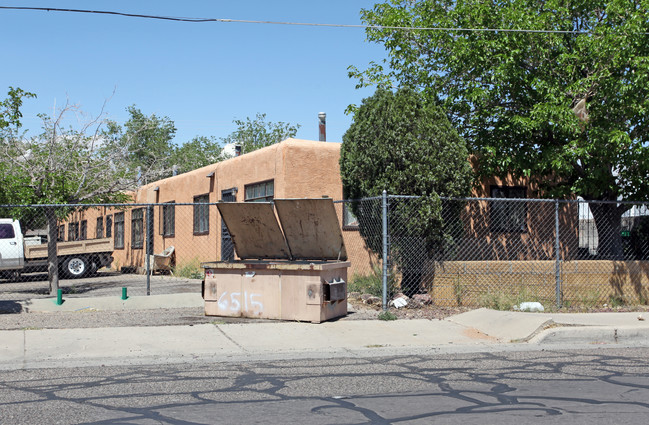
474,333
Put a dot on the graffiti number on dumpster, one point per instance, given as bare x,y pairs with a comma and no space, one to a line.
232,301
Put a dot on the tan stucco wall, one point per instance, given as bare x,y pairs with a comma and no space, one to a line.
299,169
590,282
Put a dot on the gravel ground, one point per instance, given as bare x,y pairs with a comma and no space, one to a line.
12,318
191,316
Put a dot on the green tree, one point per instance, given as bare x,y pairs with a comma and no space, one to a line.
147,141
569,109
256,133
403,144
198,152
63,166
10,114
10,125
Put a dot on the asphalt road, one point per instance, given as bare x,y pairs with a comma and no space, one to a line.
597,386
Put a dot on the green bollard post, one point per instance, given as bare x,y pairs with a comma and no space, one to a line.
124,296
59,297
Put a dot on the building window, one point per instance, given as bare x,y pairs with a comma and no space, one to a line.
109,226
99,229
137,228
260,192
119,230
350,222
169,219
83,230
73,231
61,236
508,215
201,215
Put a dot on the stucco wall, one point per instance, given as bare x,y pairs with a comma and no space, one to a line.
299,169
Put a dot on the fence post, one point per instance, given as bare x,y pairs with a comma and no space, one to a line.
557,253
384,271
149,246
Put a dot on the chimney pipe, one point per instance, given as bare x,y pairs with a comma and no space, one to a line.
322,120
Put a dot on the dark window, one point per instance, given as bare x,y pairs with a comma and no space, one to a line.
227,247
350,222
73,231
61,236
169,219
137,228
83,230
7,231
201,214
109,226
119,230
508,215
99,233
260,192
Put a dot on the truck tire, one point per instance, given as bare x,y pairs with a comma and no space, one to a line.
76,267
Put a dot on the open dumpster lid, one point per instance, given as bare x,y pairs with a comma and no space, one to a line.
311,228
254,230
304,229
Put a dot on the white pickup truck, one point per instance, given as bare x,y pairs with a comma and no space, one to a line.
76,258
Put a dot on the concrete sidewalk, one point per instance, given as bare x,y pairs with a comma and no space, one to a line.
477,330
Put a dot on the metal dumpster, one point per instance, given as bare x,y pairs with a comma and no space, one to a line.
292,262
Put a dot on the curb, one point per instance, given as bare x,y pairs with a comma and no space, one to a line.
623,335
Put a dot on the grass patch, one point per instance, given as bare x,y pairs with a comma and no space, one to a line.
371,283
499,300
616,301
189,270
387,315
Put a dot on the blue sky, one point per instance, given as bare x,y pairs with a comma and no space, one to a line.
200,75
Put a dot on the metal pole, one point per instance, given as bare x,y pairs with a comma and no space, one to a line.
557,266
384,272
149,246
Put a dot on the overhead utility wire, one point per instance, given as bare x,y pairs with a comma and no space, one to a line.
307,24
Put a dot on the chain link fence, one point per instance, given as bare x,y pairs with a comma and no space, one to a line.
494,252
499,252
100,249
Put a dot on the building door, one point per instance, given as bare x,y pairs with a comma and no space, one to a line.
227,247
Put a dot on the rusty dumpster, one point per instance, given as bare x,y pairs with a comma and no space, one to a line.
291,262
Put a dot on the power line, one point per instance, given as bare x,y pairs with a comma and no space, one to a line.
307,24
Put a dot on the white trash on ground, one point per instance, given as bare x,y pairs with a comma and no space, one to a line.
399,302
529,306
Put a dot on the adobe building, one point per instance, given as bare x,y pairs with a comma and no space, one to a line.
517,249
293,168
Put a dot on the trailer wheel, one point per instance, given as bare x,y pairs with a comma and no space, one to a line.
75,267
